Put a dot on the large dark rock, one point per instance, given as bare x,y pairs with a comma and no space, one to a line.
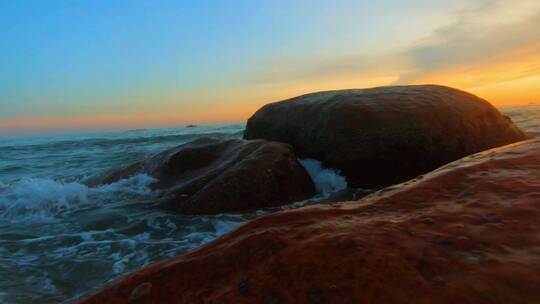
384,135
466,233
213,175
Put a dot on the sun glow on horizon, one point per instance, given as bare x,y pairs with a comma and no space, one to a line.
134,65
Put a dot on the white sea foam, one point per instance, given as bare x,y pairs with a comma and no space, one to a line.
222,227
43,199
326,180
93,227
137,184
40,198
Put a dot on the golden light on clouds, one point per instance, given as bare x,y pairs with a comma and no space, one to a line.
507,79
521,91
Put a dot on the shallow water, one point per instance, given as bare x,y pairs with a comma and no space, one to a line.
60,239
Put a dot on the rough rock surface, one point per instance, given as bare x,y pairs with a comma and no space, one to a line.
468,232
212,175
382,136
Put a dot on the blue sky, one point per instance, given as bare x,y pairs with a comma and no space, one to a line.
212,61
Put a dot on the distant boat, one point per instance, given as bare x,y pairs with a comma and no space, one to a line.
191,126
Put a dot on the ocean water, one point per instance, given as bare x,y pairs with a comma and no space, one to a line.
60,239
526,117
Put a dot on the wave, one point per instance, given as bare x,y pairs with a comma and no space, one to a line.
137,184
326,180
63,252
108,141
44,199
67,144
11,168
526,117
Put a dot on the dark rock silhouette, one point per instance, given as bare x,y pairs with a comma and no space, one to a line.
214,175
384,135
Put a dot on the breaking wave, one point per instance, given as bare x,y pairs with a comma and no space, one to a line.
326,180
44,199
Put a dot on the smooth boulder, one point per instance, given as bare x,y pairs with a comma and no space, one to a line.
468,232
212,175
382,136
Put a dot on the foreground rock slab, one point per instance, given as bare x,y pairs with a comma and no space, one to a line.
212,175
382,136
468,232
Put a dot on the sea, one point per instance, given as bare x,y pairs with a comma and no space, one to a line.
61,239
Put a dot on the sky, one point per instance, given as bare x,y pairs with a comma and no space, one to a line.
102,65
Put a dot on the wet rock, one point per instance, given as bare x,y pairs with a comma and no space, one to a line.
212,175
140,291
385,135
347,254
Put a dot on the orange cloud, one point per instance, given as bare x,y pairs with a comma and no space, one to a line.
509,78
491,48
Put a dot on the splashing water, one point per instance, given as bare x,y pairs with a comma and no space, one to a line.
326,180
60,239
44,199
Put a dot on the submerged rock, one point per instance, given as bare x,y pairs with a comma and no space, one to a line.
384,135
212,175
468,232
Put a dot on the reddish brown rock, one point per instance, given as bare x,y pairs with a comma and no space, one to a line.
382,136
468,232
212,175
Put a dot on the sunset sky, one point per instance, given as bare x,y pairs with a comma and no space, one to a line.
72,65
